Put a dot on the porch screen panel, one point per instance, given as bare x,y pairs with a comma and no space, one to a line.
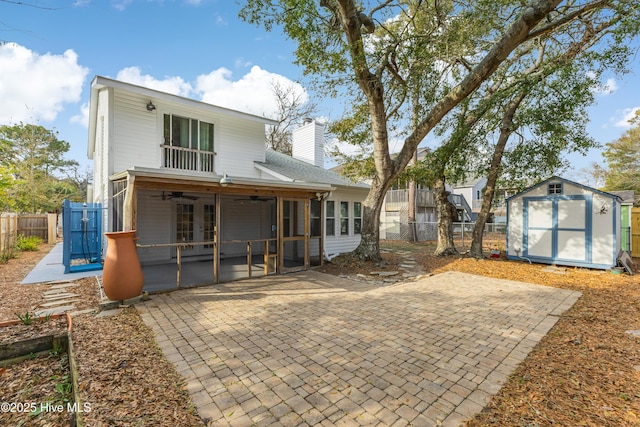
119,188
315,226
209,222
184,223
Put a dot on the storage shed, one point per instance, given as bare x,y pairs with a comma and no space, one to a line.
562,222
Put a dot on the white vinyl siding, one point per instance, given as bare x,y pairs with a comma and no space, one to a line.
343,243
138,136
135,140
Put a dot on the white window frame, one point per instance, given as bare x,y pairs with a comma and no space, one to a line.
343,218
330,231
357,219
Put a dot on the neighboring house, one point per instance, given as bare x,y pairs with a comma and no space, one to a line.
471,191
196,183
562,222
394,215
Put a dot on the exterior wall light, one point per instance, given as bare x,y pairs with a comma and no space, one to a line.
225,180
150,106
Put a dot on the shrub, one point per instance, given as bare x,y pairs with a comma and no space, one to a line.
30,243
7,255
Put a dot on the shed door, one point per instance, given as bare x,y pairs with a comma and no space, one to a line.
571,242
556,229
538,232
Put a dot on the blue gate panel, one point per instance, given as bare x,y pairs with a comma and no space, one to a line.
82,236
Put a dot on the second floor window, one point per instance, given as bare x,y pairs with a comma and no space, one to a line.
188,144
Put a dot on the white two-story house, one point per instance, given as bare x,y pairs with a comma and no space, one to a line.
197,184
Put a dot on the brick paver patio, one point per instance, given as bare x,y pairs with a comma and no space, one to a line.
313,349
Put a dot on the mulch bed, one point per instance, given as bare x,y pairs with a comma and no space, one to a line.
38,327
36,388
124,376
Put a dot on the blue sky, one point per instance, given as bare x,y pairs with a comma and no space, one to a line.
194,48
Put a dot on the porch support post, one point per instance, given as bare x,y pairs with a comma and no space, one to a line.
307,231
249,257
215,251
216,239
129,209
280,236
179,260
266,257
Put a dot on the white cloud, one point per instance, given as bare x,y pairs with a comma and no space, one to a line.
609,87
220,21
121,5
627,114
174,85
83,117
242,63
37,87
253,93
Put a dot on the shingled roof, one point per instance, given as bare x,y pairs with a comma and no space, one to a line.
287,167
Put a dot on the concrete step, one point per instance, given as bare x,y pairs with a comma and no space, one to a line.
59,302
56,310
60,296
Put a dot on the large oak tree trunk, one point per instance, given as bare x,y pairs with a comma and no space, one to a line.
506,129
369,248
412,203
445,215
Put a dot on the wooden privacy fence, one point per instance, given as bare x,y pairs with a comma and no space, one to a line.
38,225
13,225
8,231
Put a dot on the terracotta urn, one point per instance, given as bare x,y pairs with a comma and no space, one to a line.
122,275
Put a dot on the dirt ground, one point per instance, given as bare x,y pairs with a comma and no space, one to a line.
585,372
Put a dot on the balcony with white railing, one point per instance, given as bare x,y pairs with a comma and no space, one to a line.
397,199
187,159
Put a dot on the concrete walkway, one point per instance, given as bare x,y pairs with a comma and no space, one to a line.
313,349
51,269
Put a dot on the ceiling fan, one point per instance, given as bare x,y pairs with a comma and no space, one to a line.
176,195
254,199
